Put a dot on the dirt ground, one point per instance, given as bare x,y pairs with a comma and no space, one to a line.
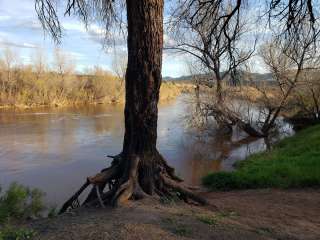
252,214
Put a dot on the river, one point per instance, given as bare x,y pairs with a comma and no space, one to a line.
56,149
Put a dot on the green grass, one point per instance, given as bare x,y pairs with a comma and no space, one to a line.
20,202
214,219
176,227
208,219
13,233
17,204
293,163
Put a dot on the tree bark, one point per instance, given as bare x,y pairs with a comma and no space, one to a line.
143,80
219,91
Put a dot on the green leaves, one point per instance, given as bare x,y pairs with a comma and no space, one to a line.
20,202
12,233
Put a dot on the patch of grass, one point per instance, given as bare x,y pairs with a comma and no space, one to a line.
293,163
13,233
16,204
20,202
182,230
228,214
208,219
214,219
264,231
176,227
53,212
169,221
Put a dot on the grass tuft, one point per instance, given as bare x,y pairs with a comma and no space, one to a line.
208,219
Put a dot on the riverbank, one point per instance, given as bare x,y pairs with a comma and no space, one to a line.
250,214
292,163
246,214
169,91
254,214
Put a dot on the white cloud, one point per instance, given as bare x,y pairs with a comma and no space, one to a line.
29,45
4,35
29,23
92,29
74,26
4,18
75,55
5,43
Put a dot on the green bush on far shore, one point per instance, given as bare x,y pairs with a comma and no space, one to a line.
292,163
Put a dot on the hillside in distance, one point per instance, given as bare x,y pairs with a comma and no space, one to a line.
245,77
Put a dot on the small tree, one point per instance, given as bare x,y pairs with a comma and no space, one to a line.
9,61
287,62
306,98
40,69
119,64
63,70
211,32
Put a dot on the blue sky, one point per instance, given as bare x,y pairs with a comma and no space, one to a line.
21,31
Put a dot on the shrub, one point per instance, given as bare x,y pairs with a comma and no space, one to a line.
12,233
20,202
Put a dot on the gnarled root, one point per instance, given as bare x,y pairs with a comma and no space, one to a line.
133,177
183,190
128,183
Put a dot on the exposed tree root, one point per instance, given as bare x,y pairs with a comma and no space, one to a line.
130,178
185,192
70,203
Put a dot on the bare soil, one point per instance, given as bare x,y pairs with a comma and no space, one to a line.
252,214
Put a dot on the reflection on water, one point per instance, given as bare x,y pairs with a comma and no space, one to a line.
55,149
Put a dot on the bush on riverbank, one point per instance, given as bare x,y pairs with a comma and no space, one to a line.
18,203
13,233
39,84
25,87
292,163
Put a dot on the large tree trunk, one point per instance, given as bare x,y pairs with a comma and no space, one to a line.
143,80
139,170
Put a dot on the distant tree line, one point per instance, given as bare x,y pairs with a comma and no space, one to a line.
39,84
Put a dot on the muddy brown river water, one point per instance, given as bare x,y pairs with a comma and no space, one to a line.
56,149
